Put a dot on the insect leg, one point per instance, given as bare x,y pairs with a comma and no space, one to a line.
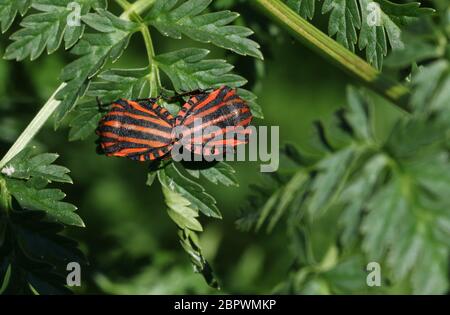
102,107
190,93
148,99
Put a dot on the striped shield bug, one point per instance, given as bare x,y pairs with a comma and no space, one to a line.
143,130
138,129
211,122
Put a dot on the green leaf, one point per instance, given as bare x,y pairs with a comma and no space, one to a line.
109,86
417,48
331,178
250,98
174,20
84,122
417,136
35,255
348,276
25,165
432,87
358,115
390,199
48,200
9,10
151,176
369,23
356,194
190,243
40,242
47,29
404,230
432,176
5,276
188,70
94,51
373,35
294,188
267,208
113,84
172,179
280,201
180,212
382,21
431,270
184,198
305,8
221,173
345,19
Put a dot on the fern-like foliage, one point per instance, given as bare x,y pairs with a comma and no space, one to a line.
34,255
172,20
372,26
48,29
389,197
95,50
102,39
430,81
384,197
9,9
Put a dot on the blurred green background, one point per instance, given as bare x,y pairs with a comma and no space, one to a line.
130,241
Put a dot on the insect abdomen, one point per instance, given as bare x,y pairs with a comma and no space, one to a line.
131,130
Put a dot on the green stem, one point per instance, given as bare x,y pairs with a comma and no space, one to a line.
33,128
125,5
154,76
5,198
137,7
132,11
336,53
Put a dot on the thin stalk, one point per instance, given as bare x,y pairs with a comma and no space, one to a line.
132,11
154,77
33,128
5,198
314,38
125,5
137,7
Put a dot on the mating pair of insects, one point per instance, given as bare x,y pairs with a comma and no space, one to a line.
142,130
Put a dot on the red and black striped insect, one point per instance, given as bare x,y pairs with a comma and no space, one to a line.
142,130
220,109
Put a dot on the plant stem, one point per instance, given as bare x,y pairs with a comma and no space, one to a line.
125,5
33,128
5,197
154,77
132,11
336,53
137,7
